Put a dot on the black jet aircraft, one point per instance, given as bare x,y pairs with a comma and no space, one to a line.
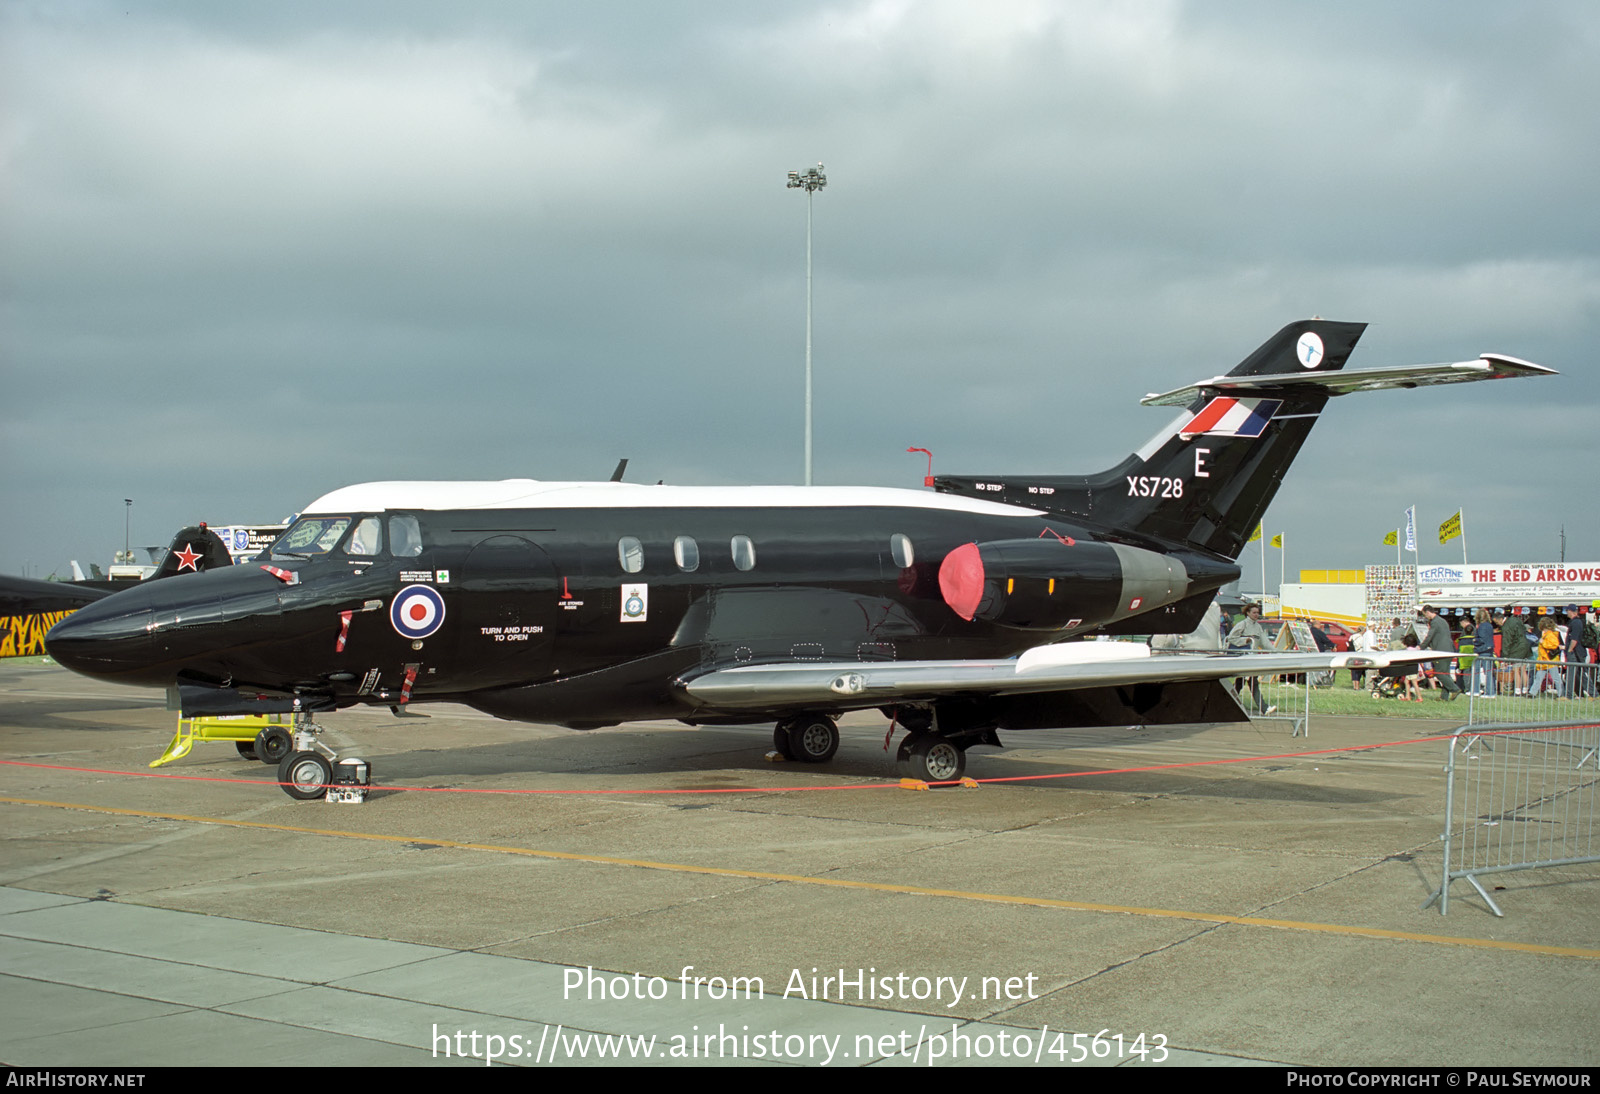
588,604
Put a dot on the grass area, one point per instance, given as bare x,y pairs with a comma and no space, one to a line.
1340,699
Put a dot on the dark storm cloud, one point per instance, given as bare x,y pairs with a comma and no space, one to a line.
254,252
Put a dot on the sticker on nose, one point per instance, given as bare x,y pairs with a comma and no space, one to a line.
417,611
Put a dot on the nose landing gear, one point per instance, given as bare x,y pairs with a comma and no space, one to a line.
306,766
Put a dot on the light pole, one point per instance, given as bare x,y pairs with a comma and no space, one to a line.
127,530
811,181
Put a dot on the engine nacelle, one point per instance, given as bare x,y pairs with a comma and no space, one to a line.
1053,583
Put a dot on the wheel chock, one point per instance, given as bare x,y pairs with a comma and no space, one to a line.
966,782
776,757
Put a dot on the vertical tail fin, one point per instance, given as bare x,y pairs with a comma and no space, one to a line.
193,549
1204,481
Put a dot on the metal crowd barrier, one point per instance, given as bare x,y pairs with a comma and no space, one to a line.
1518,798
1499,691
1283,699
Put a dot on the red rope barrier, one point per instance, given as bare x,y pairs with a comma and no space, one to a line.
853,786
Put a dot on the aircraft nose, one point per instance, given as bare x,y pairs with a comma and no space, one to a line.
108,638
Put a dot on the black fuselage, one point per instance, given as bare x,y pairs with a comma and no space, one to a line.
593,615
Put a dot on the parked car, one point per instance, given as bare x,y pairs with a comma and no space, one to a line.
1337,633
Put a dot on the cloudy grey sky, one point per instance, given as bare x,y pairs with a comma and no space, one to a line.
251,253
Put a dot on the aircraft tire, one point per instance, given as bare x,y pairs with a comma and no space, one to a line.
931,758
273,744
305,776
814,739
780,739
247,749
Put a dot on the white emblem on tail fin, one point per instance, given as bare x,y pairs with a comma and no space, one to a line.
1309,349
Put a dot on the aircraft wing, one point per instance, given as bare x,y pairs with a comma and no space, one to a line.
1490,366
1045,669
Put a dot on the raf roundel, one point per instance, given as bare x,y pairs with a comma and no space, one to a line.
417,611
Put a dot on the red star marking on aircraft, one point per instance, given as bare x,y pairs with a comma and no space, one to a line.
188,557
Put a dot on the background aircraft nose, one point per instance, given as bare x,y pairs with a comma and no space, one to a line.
109,638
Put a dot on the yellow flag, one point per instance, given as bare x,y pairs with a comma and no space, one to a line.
1255,535
1451,528
1392,539
1277,540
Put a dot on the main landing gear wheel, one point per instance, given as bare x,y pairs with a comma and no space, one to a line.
931,758
247,749
305,775
273,744
813,739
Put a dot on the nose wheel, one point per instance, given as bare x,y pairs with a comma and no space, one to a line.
305,764
305,776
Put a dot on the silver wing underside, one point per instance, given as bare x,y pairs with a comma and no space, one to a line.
1491,366
856,685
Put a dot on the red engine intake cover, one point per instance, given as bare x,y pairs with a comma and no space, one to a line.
961,580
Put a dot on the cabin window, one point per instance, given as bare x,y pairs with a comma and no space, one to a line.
686,552
744,553
367,539
630,554
405,538
900,548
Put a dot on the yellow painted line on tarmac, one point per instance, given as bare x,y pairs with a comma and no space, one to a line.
844,883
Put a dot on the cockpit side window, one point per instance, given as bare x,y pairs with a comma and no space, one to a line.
311,536
367,539
405,538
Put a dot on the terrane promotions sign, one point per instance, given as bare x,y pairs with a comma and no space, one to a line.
1534,583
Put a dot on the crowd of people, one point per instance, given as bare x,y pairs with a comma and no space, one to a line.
1510,652
1491,652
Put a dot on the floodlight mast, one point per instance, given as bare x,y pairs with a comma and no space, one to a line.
810,181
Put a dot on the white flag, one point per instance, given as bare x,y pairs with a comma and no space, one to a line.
1411,529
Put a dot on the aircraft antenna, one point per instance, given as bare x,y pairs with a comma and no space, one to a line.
928,478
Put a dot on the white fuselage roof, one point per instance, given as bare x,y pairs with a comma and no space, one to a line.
533,494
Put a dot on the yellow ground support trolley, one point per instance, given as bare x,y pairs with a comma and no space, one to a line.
241,729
